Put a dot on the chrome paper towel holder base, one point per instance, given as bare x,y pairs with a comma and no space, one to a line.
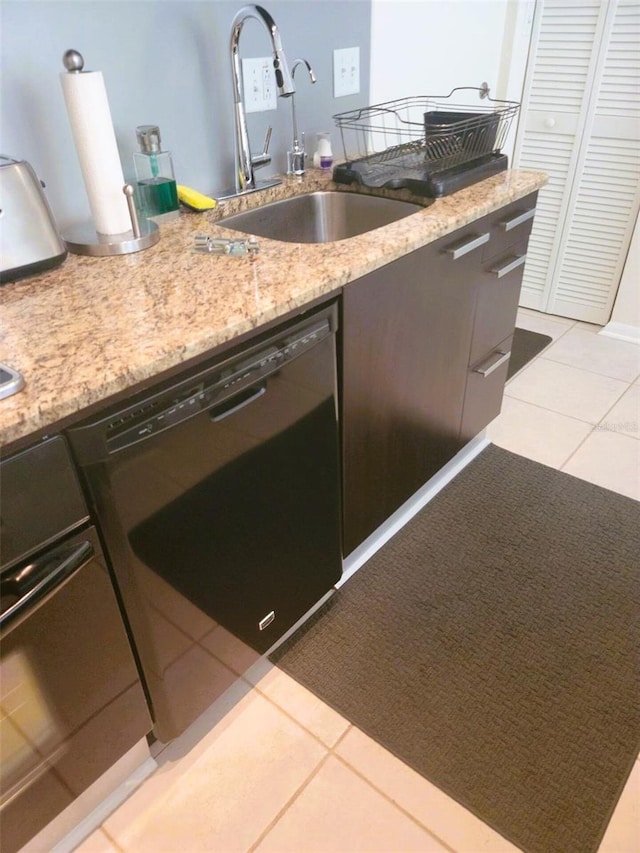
83,239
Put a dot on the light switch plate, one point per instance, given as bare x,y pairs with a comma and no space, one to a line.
346,71
259,84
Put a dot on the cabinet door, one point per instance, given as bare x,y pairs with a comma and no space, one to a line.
406,335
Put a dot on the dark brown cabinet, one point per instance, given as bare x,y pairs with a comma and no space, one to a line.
420,338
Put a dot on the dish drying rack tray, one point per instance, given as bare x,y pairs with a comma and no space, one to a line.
429,144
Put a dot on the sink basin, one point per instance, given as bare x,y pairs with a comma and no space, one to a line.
320,217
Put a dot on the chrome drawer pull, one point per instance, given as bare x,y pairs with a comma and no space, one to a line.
507,268
518,220
489,366
459,251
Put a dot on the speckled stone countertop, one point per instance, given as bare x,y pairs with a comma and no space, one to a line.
95,327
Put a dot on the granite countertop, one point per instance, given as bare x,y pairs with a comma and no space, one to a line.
95,327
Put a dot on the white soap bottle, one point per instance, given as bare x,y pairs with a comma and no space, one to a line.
323,157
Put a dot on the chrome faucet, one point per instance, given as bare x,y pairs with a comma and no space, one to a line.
245,164
296,157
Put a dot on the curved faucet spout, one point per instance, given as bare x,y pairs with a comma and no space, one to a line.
309,69
297,148
245,163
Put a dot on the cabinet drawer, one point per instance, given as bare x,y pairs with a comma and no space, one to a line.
497,298
484,390
510,225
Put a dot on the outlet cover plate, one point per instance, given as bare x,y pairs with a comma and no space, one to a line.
259,84
346,71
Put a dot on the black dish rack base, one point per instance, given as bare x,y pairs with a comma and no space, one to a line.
434,184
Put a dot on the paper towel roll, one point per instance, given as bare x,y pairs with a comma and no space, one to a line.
90,118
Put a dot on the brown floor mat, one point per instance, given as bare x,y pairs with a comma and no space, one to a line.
492,645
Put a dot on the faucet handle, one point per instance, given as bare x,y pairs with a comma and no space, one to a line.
265,158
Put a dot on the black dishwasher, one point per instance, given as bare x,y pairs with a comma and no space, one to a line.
71,699
218,497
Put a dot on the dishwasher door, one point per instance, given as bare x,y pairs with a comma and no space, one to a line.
219,502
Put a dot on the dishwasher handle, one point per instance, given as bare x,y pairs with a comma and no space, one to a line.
33,583
230,407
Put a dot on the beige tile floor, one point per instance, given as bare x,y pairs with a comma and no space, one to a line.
271,768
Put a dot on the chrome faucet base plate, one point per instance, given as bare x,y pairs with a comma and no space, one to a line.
259,185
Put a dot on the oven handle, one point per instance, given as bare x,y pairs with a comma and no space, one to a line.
36,581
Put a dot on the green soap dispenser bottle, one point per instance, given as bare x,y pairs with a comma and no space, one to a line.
156,189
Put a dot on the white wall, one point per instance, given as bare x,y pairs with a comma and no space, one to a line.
429,47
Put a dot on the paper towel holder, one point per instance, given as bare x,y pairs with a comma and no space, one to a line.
83,238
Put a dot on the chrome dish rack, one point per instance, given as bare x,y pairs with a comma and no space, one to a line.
429,144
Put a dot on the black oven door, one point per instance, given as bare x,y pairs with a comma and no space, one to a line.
70,696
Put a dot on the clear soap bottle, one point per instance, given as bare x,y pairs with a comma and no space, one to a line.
156,184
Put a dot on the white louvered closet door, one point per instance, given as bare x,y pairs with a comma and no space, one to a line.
581,124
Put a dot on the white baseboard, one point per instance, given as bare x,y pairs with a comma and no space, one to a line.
416,502
621,332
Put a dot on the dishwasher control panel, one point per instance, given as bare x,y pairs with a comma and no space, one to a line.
211,388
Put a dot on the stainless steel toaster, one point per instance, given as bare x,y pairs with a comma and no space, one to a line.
29,240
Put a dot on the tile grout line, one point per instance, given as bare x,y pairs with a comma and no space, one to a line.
593,431
110,838
594,426
554,340
553,411
542,357
331,750
272,703
586,369
545,408
562,334
608,412
290,716
552,318
395,803
280,814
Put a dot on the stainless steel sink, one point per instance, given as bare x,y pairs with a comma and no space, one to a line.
320,217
